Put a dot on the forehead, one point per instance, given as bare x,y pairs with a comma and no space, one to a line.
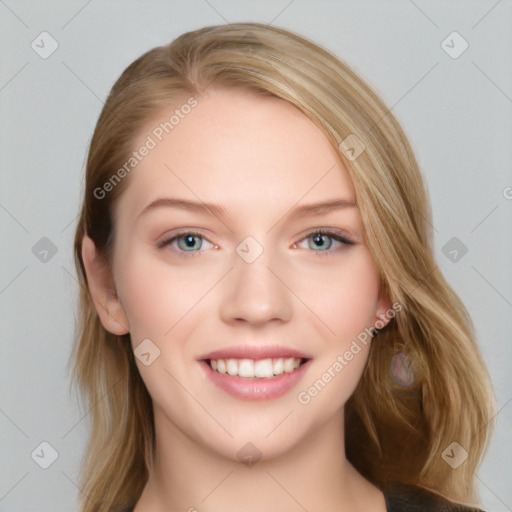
238,149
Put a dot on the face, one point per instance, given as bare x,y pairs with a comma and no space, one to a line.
239,263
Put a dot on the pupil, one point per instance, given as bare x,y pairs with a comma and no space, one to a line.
321,241
318,239
189,241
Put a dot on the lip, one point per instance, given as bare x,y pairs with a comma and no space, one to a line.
254,352
258,388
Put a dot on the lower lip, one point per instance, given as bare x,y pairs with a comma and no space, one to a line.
256,389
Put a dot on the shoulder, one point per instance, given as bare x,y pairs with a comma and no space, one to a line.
408,498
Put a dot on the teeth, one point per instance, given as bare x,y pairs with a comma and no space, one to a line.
263,368
250,368
289,365
220,364
278,366
246,368
232,366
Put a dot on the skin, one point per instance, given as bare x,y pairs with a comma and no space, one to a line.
258,158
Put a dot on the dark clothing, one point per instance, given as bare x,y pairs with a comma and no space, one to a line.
406,498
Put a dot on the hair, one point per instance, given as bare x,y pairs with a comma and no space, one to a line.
394,433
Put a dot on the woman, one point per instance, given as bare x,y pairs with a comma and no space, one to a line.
263,325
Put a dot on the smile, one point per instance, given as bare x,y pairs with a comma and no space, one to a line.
256,369
255,372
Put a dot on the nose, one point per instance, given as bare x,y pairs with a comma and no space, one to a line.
256,293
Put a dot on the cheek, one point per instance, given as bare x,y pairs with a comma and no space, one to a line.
343,296
156,299
155,296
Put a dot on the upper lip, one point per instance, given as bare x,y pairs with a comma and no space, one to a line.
255,352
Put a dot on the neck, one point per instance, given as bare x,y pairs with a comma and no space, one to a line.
315,476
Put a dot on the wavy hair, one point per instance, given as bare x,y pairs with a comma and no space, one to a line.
394,433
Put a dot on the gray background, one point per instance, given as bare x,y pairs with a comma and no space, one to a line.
456,111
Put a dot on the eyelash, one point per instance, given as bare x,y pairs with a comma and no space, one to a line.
331,234
322,232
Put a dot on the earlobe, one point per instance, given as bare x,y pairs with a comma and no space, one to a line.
102,289
384,312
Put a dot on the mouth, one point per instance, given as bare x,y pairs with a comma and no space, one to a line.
255,373
269,368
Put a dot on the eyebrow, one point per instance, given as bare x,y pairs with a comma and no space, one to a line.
313,209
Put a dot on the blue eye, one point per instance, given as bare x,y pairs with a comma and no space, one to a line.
320,241
186,241
323,241
190,242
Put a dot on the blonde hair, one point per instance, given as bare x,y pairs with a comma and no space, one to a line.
394,433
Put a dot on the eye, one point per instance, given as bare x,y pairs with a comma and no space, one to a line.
322,240
186,241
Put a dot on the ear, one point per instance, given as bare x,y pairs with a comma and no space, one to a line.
384,312
102,289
